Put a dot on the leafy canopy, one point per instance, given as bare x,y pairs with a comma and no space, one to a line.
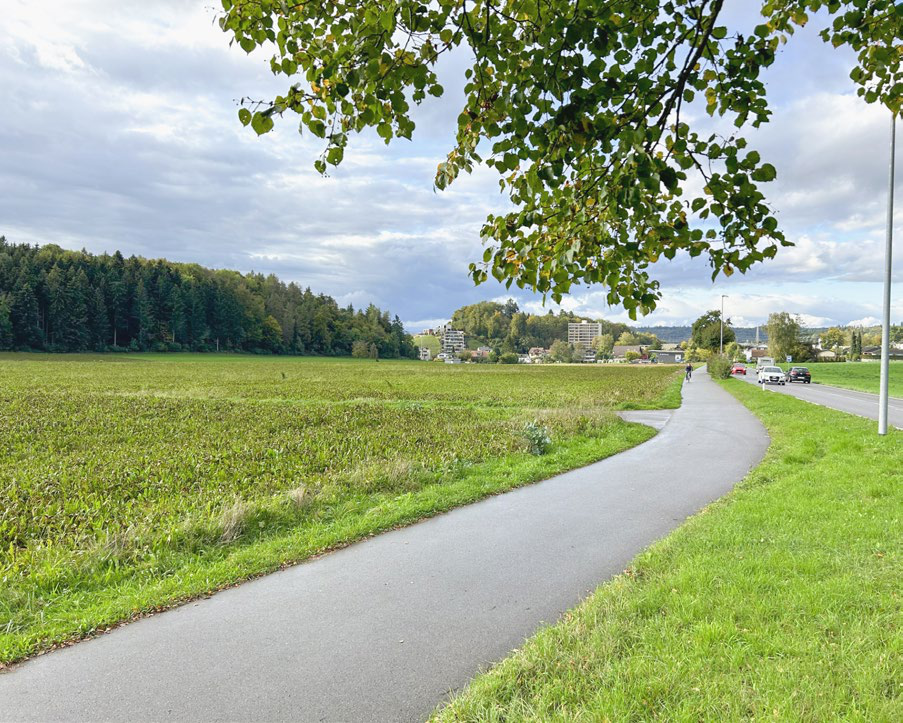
784,336
707,329
579,107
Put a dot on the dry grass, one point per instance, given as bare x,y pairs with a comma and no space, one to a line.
302,496
234,520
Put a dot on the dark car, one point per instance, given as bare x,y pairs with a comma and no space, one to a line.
799,374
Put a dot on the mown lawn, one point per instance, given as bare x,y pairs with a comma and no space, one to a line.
128,483
861,376
780,601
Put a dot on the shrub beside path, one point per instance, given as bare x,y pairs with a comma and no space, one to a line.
385,629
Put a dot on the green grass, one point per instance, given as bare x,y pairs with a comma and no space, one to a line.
860,376
780,601
132,482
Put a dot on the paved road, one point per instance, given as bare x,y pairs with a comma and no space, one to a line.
384,629
861,404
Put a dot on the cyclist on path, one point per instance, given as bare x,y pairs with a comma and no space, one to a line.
689,370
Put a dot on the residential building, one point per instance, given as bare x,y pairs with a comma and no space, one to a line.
668,356
538,354
583,332
452,341
425,354
619,351
589,356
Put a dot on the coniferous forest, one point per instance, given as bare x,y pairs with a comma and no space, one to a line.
52,299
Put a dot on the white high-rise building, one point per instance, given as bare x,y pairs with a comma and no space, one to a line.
583,332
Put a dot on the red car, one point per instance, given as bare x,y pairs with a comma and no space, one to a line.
739,369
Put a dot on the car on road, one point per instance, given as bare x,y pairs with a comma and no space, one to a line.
799,374
772,375
739,369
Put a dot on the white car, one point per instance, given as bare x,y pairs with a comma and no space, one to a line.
772,375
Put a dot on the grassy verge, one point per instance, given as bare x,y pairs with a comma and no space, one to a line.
781,600
859,376
129,487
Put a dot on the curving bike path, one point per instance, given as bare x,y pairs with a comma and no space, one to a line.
385,629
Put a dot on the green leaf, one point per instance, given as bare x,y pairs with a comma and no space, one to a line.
244,115
765,173
261,123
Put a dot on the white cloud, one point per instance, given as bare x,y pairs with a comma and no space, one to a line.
138,148
865,321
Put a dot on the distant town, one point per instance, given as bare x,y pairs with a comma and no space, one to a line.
492,332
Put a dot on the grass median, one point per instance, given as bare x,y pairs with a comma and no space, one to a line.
858,376
780,601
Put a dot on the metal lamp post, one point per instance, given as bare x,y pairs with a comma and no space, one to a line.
885,322
723,297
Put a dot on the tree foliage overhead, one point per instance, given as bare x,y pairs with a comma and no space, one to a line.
579,106
57,300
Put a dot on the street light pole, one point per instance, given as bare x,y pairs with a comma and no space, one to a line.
885,322
723,297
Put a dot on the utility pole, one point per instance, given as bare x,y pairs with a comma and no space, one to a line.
723,297
885,322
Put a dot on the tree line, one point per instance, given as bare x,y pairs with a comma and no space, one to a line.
57,300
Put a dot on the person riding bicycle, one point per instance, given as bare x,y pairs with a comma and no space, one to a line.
689,370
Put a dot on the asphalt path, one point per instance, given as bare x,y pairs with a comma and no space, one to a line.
861,404
385,629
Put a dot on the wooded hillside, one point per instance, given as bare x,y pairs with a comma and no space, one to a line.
52,299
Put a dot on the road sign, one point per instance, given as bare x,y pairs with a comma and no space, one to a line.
789,358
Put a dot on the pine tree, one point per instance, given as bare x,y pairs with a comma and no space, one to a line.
6,324
197,315
100,322
177,315
25,317
145,315
78,333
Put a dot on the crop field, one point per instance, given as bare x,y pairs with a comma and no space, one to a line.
130,483
861,376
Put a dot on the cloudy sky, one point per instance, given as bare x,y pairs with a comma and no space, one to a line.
119,131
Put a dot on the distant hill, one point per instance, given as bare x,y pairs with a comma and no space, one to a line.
677,334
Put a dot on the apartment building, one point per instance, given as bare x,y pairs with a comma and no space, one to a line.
452,341
583,332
